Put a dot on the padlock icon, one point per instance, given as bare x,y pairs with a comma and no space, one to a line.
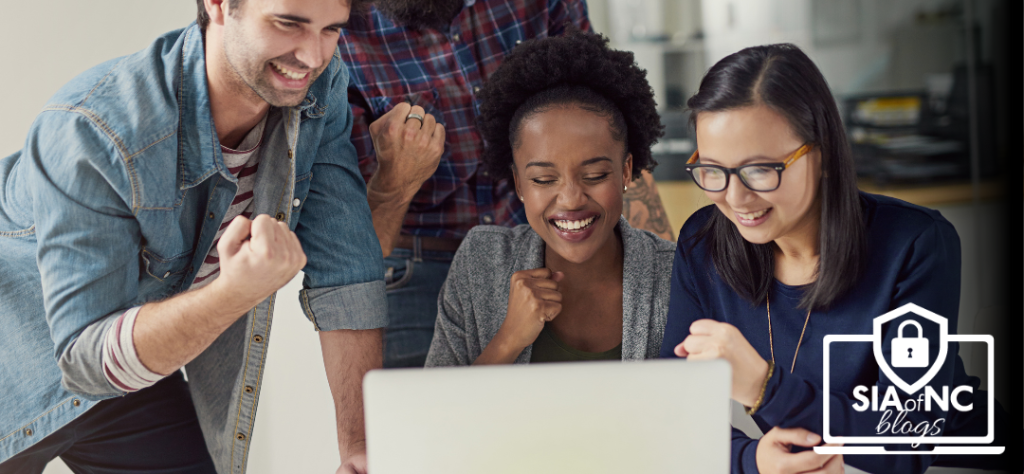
910,352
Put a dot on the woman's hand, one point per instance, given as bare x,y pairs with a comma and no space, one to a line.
710,339
533,299
774,456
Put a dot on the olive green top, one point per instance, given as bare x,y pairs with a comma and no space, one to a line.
549,348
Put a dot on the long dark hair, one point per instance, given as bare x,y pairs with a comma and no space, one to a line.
783,78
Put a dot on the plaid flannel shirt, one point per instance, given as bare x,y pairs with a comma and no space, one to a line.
442,71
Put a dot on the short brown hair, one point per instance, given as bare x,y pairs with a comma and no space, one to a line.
204,19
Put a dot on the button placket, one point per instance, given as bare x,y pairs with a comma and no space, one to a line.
252,373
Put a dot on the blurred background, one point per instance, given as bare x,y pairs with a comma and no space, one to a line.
923,86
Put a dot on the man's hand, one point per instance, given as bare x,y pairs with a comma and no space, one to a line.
774,456
533,300
354,465
408,150
257,258
710,339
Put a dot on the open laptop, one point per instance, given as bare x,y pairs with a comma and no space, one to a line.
656,416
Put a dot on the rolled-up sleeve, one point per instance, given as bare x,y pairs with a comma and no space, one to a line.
88,242
82,362
343,286
358,306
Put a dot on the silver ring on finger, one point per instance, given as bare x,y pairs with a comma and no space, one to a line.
415,116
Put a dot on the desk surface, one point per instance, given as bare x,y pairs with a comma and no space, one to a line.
682,198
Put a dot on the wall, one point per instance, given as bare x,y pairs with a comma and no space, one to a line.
48,43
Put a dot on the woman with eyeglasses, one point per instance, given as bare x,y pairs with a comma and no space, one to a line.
790,252
569,122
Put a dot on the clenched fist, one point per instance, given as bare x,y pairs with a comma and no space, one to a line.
257,258
408,150
533,299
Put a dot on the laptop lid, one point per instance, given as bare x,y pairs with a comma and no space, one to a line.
654,416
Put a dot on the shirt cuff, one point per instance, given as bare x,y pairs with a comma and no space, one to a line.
786,397
121,363
774,400
747,458
357,306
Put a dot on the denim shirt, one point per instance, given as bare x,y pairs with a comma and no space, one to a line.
115,200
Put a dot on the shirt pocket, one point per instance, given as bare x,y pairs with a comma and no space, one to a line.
162,276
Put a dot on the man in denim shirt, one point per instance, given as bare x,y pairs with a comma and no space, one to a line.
128,252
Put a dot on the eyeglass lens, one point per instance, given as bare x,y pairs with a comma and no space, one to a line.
757,178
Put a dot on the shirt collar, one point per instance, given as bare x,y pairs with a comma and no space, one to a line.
199,153
198,147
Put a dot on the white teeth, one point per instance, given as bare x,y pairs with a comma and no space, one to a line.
753,215
574,225
287,72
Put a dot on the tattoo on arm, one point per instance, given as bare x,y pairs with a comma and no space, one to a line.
642,207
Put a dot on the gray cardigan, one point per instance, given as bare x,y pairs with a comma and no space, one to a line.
474,299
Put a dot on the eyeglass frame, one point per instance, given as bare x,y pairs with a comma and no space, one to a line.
779,167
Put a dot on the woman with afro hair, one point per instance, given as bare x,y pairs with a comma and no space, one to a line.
571,122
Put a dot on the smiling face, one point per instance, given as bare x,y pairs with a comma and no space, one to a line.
757,134
277,48
570,171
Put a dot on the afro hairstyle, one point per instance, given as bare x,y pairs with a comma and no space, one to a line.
579,69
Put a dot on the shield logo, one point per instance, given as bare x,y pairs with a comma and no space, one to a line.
910,387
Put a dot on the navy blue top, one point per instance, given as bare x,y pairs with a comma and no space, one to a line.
913,256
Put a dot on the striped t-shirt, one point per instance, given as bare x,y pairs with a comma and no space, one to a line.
121,363
242,163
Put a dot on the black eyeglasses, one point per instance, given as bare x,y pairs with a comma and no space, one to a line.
760,177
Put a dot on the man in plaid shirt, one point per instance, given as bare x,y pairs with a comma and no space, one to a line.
427,60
